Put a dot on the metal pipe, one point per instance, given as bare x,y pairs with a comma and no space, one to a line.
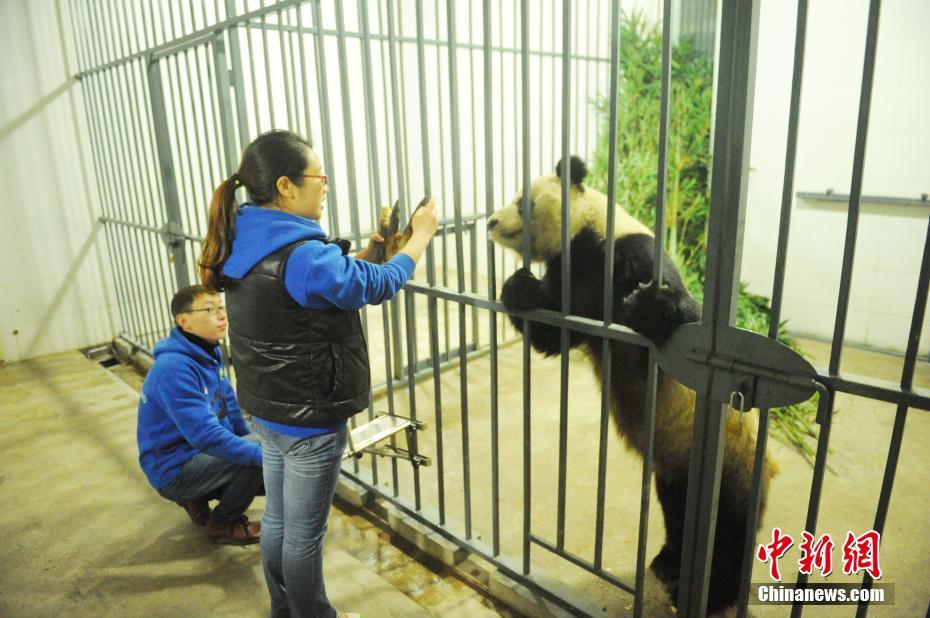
432,306
320,58
825,419
492,280
566,265
527,408
606,351
855,190
459,257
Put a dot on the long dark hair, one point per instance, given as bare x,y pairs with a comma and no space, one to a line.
270,156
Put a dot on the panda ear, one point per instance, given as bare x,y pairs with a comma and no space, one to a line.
578,170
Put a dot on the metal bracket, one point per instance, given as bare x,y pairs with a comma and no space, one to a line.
762,371
172,234
363,438
396,453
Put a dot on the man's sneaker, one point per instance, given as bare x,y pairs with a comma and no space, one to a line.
198,510
241,532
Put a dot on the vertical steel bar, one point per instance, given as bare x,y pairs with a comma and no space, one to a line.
615,15
320,58
443,188
459,254
326,130
525,198
492,282
223,85
566,270
732,139
371,131
250,43
269,92
303,72
855,190
169,184
290,94
350,150
432,306
825,417
907,379
472,231
235,76
784,227
659,251
397,96
390,310
181,122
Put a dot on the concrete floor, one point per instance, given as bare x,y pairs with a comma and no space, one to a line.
858,449
89,537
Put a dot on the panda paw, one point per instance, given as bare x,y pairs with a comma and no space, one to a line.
656,311
522,291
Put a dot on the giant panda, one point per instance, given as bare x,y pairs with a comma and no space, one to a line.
652,311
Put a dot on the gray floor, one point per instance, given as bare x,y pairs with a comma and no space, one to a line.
87,536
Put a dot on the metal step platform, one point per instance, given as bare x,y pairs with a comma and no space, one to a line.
364,439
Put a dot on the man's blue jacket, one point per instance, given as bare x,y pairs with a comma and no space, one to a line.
187,406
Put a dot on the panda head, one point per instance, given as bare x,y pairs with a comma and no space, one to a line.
586,208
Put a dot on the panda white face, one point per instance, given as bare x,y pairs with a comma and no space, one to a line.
545,203
587,208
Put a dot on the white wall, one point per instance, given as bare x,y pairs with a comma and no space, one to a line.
54,288
890,238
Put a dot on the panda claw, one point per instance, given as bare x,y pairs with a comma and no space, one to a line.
657,310
522,291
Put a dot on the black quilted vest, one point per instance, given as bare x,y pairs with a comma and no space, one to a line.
294,365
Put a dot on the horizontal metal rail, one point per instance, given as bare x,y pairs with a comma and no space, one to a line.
583,564
830,196
206,35
444,225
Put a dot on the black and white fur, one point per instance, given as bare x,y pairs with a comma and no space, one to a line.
652,311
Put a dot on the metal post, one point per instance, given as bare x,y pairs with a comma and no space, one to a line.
733,134
169,185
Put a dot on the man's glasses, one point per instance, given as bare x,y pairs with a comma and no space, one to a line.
321,178
209,310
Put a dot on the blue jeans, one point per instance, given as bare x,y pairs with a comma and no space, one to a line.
205,476
300,480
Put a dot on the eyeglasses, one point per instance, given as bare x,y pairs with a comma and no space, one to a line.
210,310
322,178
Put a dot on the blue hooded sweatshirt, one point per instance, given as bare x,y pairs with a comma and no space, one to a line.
181,412
317,274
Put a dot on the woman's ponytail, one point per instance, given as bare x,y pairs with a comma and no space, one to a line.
221,230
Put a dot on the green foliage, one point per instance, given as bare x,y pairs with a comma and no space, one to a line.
687,177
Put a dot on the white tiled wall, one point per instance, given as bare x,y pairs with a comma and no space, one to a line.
55,292
890,238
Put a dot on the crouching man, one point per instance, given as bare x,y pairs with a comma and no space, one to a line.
194,444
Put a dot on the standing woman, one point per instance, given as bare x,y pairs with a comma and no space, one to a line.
293,298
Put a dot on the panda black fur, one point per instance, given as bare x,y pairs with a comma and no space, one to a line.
652,311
